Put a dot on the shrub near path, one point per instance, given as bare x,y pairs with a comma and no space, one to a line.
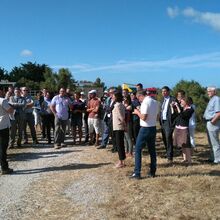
81,182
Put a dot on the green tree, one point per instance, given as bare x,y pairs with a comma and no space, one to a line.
198,94
3,74
65,79
99,83
28,74
50,82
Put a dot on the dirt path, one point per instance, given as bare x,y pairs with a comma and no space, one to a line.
80,182
57,184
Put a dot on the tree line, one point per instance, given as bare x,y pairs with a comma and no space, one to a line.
39,76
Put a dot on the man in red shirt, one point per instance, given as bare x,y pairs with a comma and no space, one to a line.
93,108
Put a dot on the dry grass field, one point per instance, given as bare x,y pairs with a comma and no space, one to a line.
80,182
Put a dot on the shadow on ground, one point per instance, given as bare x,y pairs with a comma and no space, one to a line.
68,167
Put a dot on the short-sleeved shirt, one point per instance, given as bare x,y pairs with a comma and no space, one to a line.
61,106
212,108
93,103
4,116
149,107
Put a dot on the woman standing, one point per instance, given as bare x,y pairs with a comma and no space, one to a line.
181,132
118,116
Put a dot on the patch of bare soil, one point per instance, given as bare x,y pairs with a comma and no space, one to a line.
82,183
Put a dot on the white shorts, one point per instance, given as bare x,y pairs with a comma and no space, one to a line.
94,123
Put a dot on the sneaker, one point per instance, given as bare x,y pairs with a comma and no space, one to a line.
135,176
10,146
63,145
7,171
101,147
57,146
35,142
151,175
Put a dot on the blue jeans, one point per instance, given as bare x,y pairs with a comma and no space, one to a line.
146,135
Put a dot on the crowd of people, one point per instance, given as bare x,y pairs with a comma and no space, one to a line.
127,120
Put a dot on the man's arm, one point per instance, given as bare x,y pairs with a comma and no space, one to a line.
216,118
141,116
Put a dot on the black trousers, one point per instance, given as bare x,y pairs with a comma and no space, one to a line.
136,128
167,134
48,122
4,139
119,139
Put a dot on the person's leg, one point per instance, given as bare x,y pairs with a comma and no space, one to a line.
105,135
140,143
4,139
13,132
30,121
213,133
192,136
119,136
57,125
151,139
74,133
63,130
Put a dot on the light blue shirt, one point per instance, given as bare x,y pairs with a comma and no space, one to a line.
212,108
62,106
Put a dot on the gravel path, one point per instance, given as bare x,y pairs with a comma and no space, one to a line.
56,184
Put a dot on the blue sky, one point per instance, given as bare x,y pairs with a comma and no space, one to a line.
156,42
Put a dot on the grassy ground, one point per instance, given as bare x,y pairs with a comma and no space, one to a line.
82,183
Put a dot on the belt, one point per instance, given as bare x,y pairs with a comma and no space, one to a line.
208,119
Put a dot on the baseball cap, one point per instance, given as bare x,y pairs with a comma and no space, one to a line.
92,91
151,91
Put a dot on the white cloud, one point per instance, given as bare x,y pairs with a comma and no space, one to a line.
26,53
208,18
172,12
210,60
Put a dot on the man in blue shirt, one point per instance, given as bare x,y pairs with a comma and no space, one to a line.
212,117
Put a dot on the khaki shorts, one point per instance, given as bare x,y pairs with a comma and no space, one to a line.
94,123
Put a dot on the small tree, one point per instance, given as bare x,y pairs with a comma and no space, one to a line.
65,79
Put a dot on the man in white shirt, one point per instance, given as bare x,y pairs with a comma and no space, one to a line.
147,134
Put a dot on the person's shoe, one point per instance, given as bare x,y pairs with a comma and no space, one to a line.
101,147
7,171
18,144
113,150
151,175
63,145
57,146
35,142
10,146
135,176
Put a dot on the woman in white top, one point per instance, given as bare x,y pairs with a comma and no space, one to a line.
118,116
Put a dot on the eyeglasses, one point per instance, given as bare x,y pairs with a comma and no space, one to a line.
25,90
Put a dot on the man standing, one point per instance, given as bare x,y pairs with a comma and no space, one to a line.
167,122
28,116
147,134
212,117
18,104
5,110
93,117
107,119
60,105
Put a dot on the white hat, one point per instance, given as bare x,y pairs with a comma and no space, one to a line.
92,91
82,93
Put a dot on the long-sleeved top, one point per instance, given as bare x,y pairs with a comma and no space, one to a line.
184,116
118,116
